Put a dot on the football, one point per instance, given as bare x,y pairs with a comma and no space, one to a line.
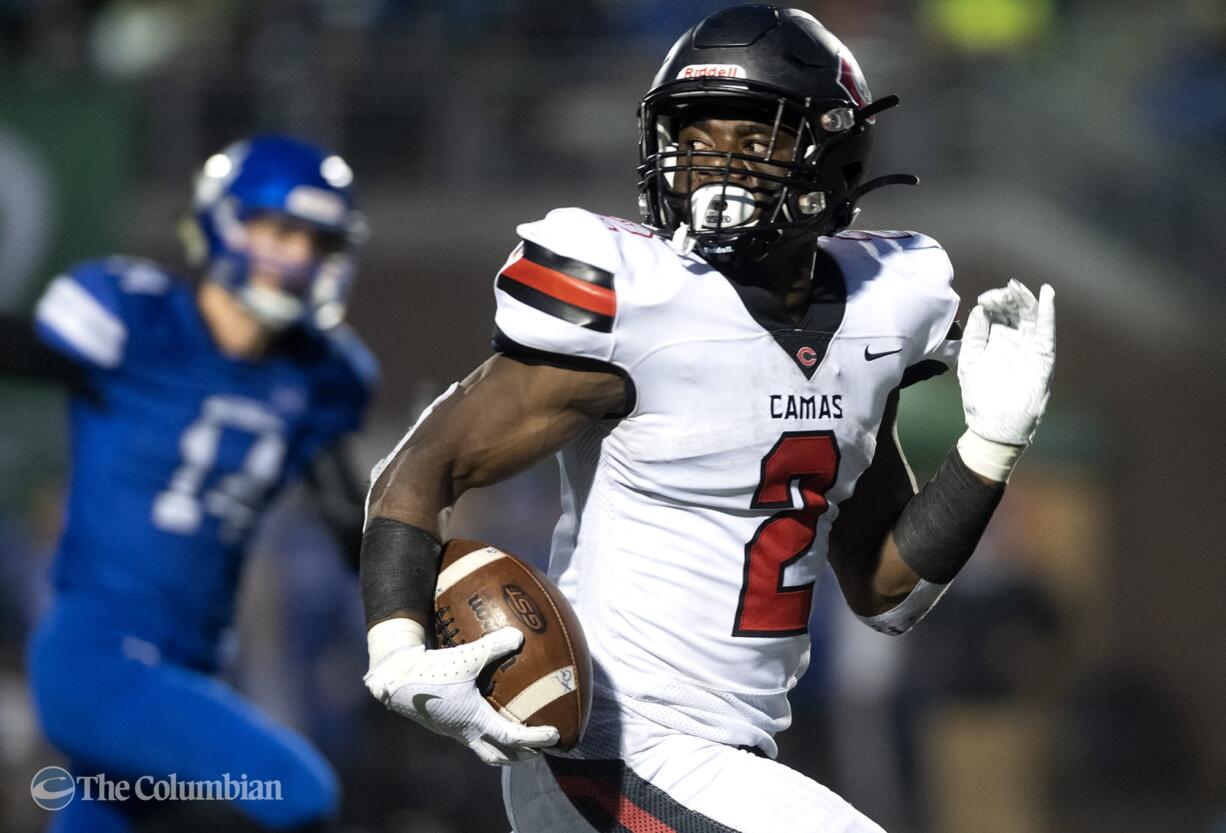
548,681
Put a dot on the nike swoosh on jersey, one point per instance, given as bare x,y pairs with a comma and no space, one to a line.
871,356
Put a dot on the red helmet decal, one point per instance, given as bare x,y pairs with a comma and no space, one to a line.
851,79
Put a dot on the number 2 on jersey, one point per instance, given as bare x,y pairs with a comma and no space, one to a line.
768,608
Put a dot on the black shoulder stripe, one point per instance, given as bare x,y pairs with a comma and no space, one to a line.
922,370
567,266
554,306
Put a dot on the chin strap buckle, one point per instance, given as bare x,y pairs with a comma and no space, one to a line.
683,242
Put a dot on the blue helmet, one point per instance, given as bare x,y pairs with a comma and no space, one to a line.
282,176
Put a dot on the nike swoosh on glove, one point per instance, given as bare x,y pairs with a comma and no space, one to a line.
1005,367
437,688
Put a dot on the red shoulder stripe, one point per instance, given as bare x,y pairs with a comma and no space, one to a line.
563,287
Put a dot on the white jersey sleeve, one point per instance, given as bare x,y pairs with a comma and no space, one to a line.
557,292
923,300
936,305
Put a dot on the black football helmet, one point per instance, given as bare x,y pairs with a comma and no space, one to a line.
780,67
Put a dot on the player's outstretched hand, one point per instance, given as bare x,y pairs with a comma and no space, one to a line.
1008,352
437,688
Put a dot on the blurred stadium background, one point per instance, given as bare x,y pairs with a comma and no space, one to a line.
1075,677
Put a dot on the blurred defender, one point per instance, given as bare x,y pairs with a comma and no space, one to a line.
194,402
722,385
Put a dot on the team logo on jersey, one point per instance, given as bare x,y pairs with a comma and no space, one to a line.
712,71
523,606
806,348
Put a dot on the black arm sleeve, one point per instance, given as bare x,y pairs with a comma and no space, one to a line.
23,354
399,570
939,527
339,497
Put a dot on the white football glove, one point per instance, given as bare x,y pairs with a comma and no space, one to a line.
1008,353
437,689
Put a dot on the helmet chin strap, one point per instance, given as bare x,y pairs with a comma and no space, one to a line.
683,242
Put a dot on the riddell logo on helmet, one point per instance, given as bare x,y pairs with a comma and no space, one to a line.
712,71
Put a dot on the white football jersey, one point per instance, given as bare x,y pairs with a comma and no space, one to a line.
695,526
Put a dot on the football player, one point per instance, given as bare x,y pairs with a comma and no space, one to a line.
721,386
194,401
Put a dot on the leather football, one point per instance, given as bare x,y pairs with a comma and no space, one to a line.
548,681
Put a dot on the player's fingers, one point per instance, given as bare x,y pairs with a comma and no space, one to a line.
996,299
1000,305
490,754
532,736
497,644
1027,304
1045,329
494,726
974,338
494,749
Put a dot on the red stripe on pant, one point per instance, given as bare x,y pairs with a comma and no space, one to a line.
624,811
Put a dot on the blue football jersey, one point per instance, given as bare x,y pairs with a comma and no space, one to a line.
183,447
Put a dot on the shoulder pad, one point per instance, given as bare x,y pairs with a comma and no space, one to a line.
886,242
140,276
920,280
556,292
908,253
578,234
81,313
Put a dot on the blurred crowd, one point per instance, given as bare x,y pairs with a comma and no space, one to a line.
1071,679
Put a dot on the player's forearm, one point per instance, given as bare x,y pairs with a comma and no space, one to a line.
939,528
399,568
413,489
891,582
932,539
401,544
